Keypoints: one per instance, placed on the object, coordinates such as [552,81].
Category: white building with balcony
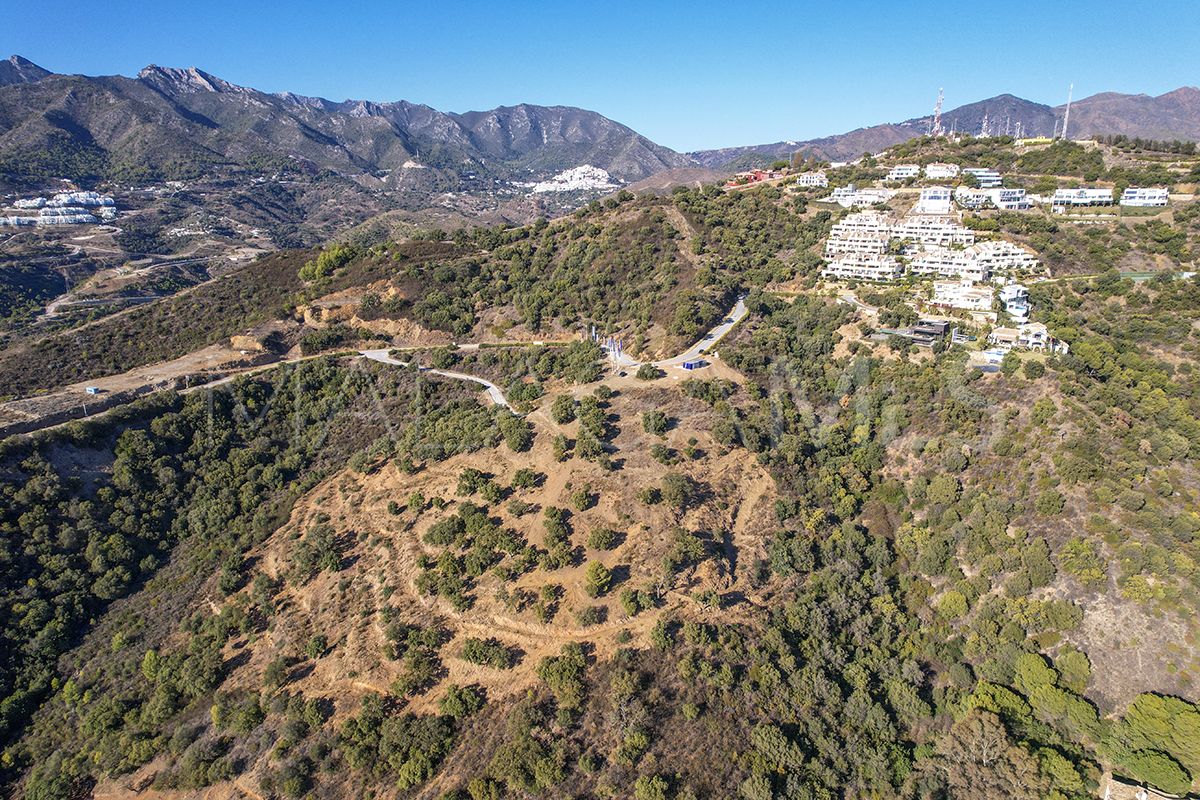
[864,268]
[963,295]
[903,172]
[1016,301]
[933,200]
[1082,197]
[812,179]
[985,177]
[1144,198]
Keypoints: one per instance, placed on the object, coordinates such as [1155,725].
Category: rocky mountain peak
[17,69]
[186,80]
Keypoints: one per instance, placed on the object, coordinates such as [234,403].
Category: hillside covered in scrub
[826,563]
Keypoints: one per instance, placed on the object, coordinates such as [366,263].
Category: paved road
[384,357]
[710,339]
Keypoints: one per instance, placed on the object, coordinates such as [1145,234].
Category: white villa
[986,178]
[1143,198]
[1082,197]
[902,172]
[1030,336]
[850,197]
[1016,301]
[941,172]
[963,295]
[812,179]
[934,200]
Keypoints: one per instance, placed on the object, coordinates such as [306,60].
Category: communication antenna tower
[937,115]
[983,128]
[1067,116]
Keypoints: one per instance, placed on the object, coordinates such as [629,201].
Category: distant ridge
[1174,115]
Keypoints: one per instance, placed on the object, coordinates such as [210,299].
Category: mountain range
[166,118]
[170,122]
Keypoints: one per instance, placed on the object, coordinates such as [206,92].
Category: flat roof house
[1144,198]
[986,178]
[1082,197]
[902,172]
[934,200]
[963,295]
[1030,336]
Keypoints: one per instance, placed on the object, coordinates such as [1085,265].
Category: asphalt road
[497,396]
[710,339]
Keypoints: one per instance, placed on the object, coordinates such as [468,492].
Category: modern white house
[1144,198]
[811,179]
[850,197]
[963,295]
[971,198]
[934,200]
[1082,197]
[1016,301]
[1030,336]
[997,197]
[940,171]
[1009,199]
[864,267]
[985,178]
[903,172]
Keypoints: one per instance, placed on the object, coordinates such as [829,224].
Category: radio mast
[1067,116]
[936,130]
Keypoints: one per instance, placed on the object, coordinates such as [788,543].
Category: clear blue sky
[688,75]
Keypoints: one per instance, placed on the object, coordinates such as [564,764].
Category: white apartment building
[811,179]
[941,172]
[902,172]
[944,262]
[986,178]
[1003,256]
[1082,197]
[963,294]
[934,200]
[864,268]
[1143,198]
[932,230]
